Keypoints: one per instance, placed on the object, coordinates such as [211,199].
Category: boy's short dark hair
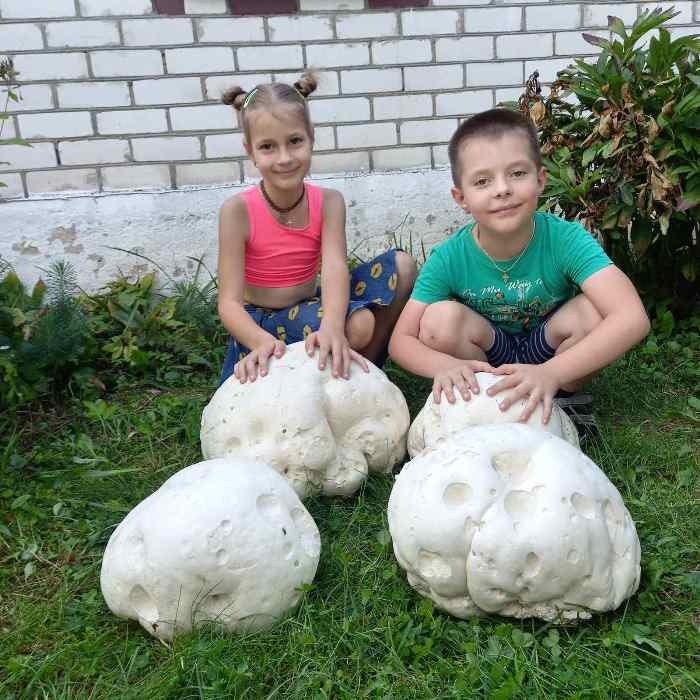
[492,124]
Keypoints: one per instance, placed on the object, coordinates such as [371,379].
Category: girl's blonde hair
[268,95]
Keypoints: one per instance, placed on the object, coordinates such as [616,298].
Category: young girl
[272,239]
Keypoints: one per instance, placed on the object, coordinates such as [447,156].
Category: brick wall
[116,97]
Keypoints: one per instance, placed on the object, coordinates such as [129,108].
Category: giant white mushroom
[435,421]
[318,431]
[223,541]
[511,520]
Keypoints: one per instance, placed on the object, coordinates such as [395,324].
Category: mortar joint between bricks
[53,87]
[88,63]
[44,37]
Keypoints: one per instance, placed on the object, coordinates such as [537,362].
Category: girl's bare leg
[386,317]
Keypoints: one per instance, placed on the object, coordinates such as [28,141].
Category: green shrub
[55,339]
[136,322]
[42,333]
[624,156]
[141,327]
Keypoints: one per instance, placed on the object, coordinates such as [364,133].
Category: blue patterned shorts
[371,284]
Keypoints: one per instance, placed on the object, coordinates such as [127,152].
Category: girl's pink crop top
[277,256]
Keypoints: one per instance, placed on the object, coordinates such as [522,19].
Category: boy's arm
[448,373]
[624,324]
[407,350]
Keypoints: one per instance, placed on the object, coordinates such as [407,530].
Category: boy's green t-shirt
[561,256]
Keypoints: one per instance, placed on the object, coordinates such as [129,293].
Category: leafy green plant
[624,156]
[138,321]
[56,339]
[196,302]
[42,333]
[17,312]
[140,326]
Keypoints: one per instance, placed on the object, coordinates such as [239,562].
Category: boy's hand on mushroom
[460,376]
[530,383]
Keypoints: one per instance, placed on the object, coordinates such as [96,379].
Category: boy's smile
[499,187]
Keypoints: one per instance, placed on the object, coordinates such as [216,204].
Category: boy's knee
[438,325]
[359,329]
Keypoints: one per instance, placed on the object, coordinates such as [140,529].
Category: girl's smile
[280,146]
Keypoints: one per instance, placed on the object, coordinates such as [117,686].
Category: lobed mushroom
[435,421]
[511,520]
[320,432]
[225,541]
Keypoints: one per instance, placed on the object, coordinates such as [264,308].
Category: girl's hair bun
[307,83]
[234,96]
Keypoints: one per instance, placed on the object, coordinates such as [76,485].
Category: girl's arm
[335,277]
[624,324]
[233,234]
[335,291]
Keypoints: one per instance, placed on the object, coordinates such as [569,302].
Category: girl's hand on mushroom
[533,384]
[257,360]
[460,376]
[334,345]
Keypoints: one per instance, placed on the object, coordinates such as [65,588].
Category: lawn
[70,471]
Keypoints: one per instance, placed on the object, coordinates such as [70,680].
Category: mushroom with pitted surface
[511,520]
[224,541]
[435,421]
[320,432]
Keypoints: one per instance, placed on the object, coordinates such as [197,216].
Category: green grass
[69,474]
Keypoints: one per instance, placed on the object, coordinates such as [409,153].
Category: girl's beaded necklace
[504,272]
[282,210]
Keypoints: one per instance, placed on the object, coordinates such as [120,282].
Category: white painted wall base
[170,227]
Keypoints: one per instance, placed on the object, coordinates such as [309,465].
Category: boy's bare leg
[456,330]
[569,325]
[385,317]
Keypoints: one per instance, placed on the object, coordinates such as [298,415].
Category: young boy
[519,290]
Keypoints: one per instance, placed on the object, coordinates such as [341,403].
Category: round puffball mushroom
[318,431]
[511,520]
[438,420]
[224,541]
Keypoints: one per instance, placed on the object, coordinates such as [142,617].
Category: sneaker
[579,407]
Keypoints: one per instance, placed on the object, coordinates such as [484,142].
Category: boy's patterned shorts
[530,348]
[371,284]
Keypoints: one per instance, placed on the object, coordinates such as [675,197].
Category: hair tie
[299,92]
[249,98]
